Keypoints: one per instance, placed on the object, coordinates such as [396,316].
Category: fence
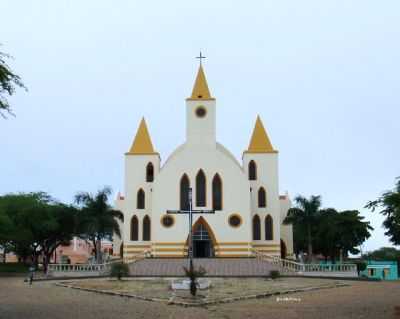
[89,269]
[289,266]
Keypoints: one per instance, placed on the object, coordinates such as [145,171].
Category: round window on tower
[167,221]
[201,111]
[235,220]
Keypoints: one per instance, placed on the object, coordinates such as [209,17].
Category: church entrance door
[202,244]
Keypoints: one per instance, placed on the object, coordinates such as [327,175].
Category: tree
[96,219]
[60,231]
[389,203]
[27,212]
[8,82]
[361,266]
[340,233]
[353,231]
[327,234]
[384,253]
[119,270]
[6,230]
[305,214]
[40,224]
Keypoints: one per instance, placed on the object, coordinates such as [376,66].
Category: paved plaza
[45,300]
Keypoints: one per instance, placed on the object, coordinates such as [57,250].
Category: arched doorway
[283,249]
[203,239]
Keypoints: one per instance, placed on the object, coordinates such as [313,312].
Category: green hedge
[14,268]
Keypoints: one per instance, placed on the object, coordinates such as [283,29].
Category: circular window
[167,221]
[201,111]
[235,220]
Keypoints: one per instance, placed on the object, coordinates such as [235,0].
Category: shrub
[274,274]
[361,266]
[193,274]
[119,270]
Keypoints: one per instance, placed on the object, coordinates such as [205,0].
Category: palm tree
[97,220]
[305,214]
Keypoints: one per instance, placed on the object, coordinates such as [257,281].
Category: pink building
[79,251]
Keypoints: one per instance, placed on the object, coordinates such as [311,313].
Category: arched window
[201,189]
[256,228]
[185,185]
[262,197]
[149,172]
[252,170]
[217,192]
[269,232]
[140,200]
[146,228]
[134,228]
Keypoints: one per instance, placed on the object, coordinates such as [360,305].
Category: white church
[248,210]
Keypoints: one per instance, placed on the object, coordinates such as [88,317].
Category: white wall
[267,177]
[236,195]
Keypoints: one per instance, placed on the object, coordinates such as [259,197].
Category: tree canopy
[9,81]
[389,205]
[35,224]
[384,253]
[330,232]
[340,232]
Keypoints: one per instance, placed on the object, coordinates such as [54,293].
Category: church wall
[135,178]
[286,230]
[267,177]
[236,197]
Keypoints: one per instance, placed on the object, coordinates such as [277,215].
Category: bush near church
[119,270]
[274,274]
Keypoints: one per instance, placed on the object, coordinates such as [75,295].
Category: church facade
[244,196]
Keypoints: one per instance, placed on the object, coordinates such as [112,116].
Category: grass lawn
[221,288]
[13,268]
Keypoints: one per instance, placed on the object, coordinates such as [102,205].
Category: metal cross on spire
[200,57]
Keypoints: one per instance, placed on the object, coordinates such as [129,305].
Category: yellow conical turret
[200,88]
[260,142]
[142,142]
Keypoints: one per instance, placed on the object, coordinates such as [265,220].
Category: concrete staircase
[220,267]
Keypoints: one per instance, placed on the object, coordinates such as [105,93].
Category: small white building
[245,196]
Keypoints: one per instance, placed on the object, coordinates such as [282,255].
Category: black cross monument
[190,212]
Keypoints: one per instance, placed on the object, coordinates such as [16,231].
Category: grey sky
[323,75]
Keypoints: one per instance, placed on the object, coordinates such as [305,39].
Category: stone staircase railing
[285,265]
[290,266]
[137,257]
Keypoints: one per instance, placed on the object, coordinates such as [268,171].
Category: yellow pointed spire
[142,142]
[260,142]
[200,88]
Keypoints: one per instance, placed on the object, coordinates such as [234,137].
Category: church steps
[214,267]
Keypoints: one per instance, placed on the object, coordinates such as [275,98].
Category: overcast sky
[323,75]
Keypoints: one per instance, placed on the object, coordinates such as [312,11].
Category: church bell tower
[200,114]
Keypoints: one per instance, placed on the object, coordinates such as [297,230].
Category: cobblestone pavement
[45,300]
[213,266]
